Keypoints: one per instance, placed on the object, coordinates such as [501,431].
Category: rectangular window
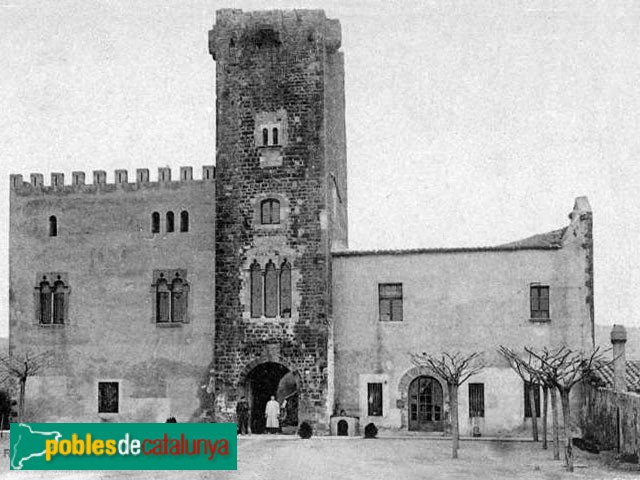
[108,397]
[390,302]
[374,399]
[476,399]
[536,399]
[540,302]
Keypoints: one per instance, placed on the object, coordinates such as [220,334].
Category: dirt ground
[284,458]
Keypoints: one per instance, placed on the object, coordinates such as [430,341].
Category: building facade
[179,297]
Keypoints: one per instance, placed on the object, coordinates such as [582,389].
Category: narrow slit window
[256,290]
[270,291]
[274,136]
[45,303]
[155,222]
[265,137]
[53,226]
[170,223]
[163,302]
[178,301]
[184,221]
[59,303]
[285,290]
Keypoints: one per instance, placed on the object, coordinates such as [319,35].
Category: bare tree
[20,368]
[528,375]
[454,369]
[564,368]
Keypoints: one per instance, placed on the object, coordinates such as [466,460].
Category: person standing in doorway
[242,415]
[271,413]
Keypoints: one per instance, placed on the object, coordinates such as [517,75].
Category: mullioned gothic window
[52,300]
[171,293]
[270,290]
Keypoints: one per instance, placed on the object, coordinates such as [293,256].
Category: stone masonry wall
[274,64]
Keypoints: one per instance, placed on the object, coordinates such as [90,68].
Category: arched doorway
[426,402]
[268,379]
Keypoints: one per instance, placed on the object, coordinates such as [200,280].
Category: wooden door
[426,404]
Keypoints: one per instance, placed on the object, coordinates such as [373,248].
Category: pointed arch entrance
[263,381]
[426,404]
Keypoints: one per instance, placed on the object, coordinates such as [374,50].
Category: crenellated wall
[108,255]
[36,184]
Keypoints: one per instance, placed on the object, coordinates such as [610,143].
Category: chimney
[618,339]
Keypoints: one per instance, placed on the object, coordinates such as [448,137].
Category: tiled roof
[632,375]
[545,241]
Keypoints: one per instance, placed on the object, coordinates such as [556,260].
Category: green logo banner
[123,446]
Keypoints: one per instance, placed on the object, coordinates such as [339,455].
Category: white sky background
[468,123]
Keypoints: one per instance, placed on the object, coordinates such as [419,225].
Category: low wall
[612,419]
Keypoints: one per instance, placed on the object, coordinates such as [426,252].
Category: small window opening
[270,212]
[53,226]
[274,138]
[155,222]
[265,137]
[170,224]
[184,221]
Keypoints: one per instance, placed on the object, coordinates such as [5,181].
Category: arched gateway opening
[268,379]
[426,403]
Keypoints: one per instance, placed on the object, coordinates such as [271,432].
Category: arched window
[45,303]
[184,221]
[171,291]
[53,226]
[163,301]
[256,290]
[270,212]
[274,137]
[270,291]
[178,300]
[170,224]
[285,290]
[58,303]
[52,301]
[155,222]
[265,137]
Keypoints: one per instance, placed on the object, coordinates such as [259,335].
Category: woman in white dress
[271,413]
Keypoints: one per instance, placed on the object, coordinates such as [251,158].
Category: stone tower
[281,207]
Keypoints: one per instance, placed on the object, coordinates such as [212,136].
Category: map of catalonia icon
[27,444]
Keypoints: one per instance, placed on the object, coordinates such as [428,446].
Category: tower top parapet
[78,184]
[235,28]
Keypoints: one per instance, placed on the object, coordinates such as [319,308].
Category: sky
[469,123]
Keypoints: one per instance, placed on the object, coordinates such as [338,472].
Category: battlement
[121,176]
[235,28]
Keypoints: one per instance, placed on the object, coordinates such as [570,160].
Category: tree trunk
[23,382]
[544,416]
[566,413]
[532,407]
[554,414]
[455,432]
